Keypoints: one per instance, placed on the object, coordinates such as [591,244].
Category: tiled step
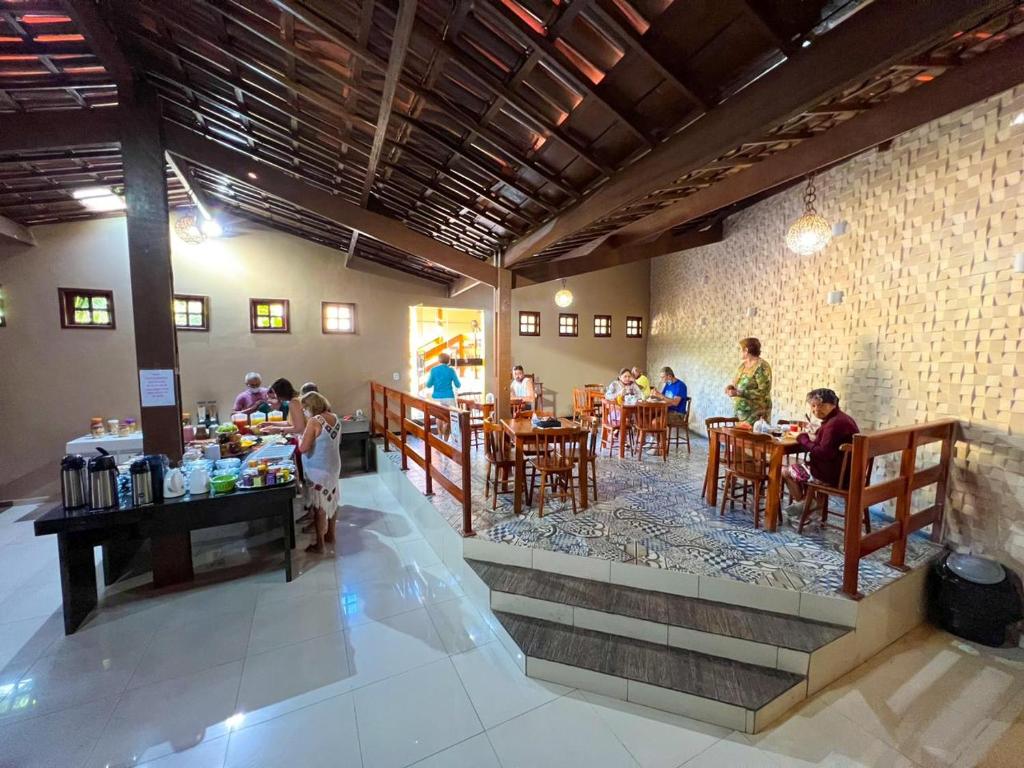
[729,693]
[735,632]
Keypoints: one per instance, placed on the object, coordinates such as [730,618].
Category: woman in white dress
[321,463]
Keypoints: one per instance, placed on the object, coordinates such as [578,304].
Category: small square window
[529,323]
[634,327]
[191,313]
[269,316]
[602,326]
[568,324]
[86,308]
[338,318]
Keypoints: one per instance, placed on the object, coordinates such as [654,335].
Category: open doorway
[460,333]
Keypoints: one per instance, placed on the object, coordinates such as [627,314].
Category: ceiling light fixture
[187,229]
[563,297]
[811,232]
[211,228]
[252,175]
[86,192]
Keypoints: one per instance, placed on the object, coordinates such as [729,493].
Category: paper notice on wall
[156,387]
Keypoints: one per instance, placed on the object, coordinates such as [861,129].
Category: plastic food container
[228,463]
[223,484]
[275,416]
[96,427]
[257,418]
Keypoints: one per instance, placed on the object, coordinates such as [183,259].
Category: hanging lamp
[811,232]
[563,297]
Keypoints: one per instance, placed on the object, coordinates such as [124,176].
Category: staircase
[734,666]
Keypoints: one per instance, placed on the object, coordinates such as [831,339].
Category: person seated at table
[282,397]
[309,386]
[641,380]
[521,388]
[254,395]
[673,392]
[623,387]
[825,459]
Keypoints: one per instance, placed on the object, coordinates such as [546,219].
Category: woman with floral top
[751,390]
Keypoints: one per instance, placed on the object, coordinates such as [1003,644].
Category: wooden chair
[715,422]
[819,492]
[613,425]
[592,425]
[582,407]
[500,458]
[554,462]
[789,458]
[652,421]
[478,414]
[747,458]
[594,387]
[679,431]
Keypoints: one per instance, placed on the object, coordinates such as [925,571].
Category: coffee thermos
[103,482]
[74,485]
[158,466]
[142,483]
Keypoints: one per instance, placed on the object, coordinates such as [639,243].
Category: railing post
[908,463]
[467,491]
[940,487]
[403,432]
[851,533]
[428,465]
[387,419]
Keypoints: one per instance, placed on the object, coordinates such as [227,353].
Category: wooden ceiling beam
[86,16]
[208,152]
[462,285]
[396,60]
[610,254]
[980,78]
[183,171]
[13,231]
[31,131]
[860,46]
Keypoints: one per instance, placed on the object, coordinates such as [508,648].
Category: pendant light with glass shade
[563,297]
[811,232]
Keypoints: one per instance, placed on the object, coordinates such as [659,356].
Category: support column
[502,371]
[149,259]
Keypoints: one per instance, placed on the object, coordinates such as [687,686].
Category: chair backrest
[844,470]
[580,401]
[563,442]
[787,422]
[611,413]
[651,417]
[595,387]
[592,424]
[686,414]
[746,453]
[497,446]
[718,421]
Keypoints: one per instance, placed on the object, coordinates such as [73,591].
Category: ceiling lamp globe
[563,297]
[811,232]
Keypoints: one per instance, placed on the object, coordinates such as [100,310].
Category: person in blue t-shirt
[443,381]
[673,391]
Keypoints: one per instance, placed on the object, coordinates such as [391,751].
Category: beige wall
[52,380]
[932,321]
[563,363]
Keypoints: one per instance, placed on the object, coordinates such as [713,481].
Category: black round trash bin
[974,598]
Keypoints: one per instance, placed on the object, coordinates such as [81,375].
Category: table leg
[623,435]
[288,533]
[520,478]
[172,558]
[711,479]
[583,471]
[771,505]
[117,554]
[77,580]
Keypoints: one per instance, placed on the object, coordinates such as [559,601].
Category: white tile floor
[376,658]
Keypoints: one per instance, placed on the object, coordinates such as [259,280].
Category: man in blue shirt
[443,381]
[673,391]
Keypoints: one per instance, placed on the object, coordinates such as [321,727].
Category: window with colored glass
[529,323]
[269,315]
[634,327]
[602,326]
[568,324]
[191,313]
[86,308]
[337,317]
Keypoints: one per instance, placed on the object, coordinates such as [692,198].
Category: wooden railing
[905,441]
[390,418]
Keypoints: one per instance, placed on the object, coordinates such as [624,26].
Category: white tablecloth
[121,447]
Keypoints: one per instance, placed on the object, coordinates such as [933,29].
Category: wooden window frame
[524,314]
[598,335]
[639,327]
[253,328]
[205,315]
[66,298]
[323,318]
[574,320]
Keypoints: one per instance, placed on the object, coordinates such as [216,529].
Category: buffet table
[121,531]
[121,448]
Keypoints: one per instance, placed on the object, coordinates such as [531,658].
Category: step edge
[668,625]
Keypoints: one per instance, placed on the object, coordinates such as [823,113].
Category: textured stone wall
[932,323]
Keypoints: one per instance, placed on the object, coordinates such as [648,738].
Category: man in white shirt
[521,388]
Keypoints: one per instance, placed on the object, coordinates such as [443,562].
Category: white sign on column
[156,387]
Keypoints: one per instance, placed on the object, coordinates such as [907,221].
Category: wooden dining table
[523,431]
[780,447]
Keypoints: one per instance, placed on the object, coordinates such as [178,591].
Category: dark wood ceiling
[505,113]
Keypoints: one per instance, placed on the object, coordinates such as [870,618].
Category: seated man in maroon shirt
[825,459]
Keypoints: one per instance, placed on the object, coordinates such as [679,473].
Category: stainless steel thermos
[74,485]
[102,482]
[142,483]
